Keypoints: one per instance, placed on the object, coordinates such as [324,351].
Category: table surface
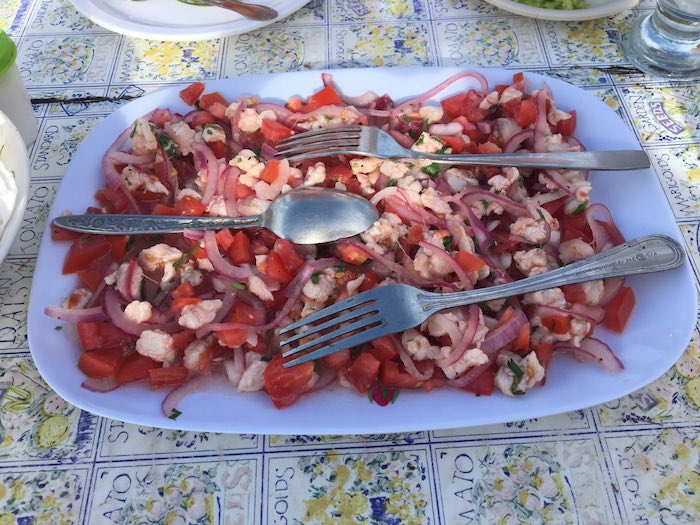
[633,460]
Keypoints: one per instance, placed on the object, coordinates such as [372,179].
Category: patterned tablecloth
[633,460]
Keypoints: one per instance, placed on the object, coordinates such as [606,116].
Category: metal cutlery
[303,216]
[369,141]
[397,307]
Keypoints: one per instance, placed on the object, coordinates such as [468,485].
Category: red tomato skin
[393,377]
[191,93]
[363,372]
[83,251]
[274,131]
[100,364]
[170,376]
[484,384]
[240,251]
[134,368]
[98,335]
[384,348]
[619,310]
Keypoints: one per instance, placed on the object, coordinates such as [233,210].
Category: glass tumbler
[666,43]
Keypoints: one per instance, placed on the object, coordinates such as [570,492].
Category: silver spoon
[303,216]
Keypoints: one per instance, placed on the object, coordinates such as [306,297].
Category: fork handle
[653,253]
[580,160]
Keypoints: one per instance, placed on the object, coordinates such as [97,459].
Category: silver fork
[369,141]
[397,307]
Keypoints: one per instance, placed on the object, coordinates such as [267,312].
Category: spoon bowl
[303,216]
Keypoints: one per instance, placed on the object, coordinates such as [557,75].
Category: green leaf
[447,243]
[368,262]
[425,125]
[392,182]
[58,328]
[340,268]
[518,373]
[174,414]
[183,258]
[580,208]
[433,169]
[539,212]
[238,286]
[315,277]
[167,143]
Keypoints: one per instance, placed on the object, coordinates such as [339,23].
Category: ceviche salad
[173,310]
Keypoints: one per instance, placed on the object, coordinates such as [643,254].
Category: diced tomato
[566,127]
[224,238]
[339,173]
[483,385]
[489,148]
[326,97]
[239,251]
[276,270]
[527,113]
[182,339]
[456,143]
[522,342]
[200,118]
[576,227]
[337,360]
[574,293]
[559,324]
[209,99]
[433,383]
[191,93]
[118,243]
[91,276]
[506,316]
[220,149]
[468,261]
[612,231]
[232,338]
[274,131]
[169,376]
[363,372]
[184,290]
[351,254]
[285,385]
[454,105]
[83,251]
[271,171]
[290,257]
[619,310]
[190,206]
[415,234]
[393,377]
[100,363]
[146,196]
[518,77]
[179,304]
[218,110]
[261,347]
[246,314]
[59,234]
[384,348]
[135,367]
[370,281]
[97,335]
[113,201]
[242,191]
[162,209]
[544,351]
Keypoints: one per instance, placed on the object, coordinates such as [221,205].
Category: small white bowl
[15,159]
[596,9]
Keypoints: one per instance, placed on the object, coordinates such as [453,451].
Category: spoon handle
[251,11]
[105,224]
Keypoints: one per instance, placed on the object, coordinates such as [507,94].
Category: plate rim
[524,411]
[22,180]
[565,15]
[135,29]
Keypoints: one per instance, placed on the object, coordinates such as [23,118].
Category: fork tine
[312,146]
[322,139]
[352,314]
[357,325]
[317,132]
[353,340]
[350,302]
[306,138]
[322,153]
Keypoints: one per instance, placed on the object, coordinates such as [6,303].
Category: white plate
[595,9]
[173,20]
[13,155]
[657,334]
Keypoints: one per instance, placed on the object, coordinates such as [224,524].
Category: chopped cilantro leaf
[58,328]
[368,262]
[392,182]
[447,243]
[183,258]
[167,144]
[425,125]
[432,169]
[580,208]
[340,268]
[315,277]
[539,212]
[174,414]
[420,140]
[518,375]
[238,286]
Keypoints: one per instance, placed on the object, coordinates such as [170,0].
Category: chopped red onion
[75,315]
[449,260]
[220,264]
[100,385]
[598,350]
[410,366]
[196,384]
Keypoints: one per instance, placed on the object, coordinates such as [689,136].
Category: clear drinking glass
[667,42]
